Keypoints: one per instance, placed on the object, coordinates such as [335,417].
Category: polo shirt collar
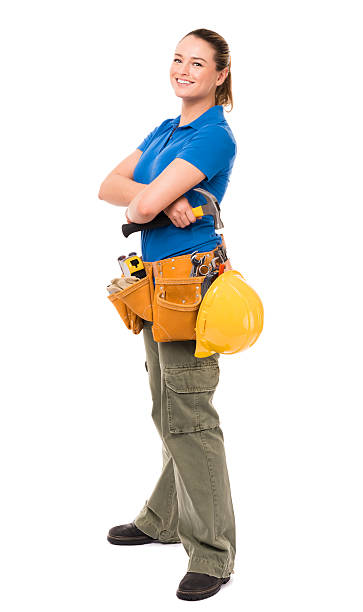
[212,115]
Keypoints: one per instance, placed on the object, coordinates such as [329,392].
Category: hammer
[161,220]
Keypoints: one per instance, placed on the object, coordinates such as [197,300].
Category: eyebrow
[200,58]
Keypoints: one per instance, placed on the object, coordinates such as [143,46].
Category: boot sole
[130,541]
[202,594]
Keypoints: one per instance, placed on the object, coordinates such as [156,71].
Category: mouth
[183,82]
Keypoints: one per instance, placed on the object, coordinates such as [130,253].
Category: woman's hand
[180,212]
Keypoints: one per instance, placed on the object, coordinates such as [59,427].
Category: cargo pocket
[138,297]
[175,306]
[189,393]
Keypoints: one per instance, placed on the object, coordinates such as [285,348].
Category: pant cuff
[150,530]
[206,566]
[147,528]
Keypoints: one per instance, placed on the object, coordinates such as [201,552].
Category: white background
[83,83]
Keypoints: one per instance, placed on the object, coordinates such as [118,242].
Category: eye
[179,60]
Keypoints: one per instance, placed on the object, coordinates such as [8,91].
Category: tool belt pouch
[175,308]
[131,320]
[135,303]
[172,305]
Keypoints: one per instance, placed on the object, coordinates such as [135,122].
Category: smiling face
[193,62]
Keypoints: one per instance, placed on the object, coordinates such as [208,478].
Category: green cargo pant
[191,501]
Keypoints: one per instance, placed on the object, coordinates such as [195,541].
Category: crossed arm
[146,201]
[177,178]
[165,192]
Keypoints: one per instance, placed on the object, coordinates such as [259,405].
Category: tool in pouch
[210,271]
[132,269]
[161,220]
[124,292]
[132,265]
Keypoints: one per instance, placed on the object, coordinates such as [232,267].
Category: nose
[183,69]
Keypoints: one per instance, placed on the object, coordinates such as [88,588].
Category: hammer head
[212,207]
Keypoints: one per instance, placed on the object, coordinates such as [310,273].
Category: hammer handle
[162,219]
[159,221]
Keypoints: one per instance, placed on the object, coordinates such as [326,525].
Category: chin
[183,94]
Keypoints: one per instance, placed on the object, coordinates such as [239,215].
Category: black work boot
[195,585]
[129,535]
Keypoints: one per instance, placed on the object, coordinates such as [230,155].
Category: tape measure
[132,265]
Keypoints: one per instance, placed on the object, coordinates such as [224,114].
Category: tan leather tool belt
[172,305]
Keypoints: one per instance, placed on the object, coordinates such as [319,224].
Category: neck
[192,110]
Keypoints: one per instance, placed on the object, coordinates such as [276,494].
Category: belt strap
[179,265]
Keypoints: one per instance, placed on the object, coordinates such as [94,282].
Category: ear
[222,76]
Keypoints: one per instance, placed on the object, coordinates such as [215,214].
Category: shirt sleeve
[211,149]
[145,143]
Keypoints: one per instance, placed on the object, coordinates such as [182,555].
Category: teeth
[180,81]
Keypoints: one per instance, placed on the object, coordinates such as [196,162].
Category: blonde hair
[222,58]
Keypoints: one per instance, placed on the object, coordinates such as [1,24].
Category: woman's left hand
[180,212]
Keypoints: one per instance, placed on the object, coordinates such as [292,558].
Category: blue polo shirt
[207,143]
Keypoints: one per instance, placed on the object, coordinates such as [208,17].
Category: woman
[191,502]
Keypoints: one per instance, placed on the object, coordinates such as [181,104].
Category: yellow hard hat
[230,316]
